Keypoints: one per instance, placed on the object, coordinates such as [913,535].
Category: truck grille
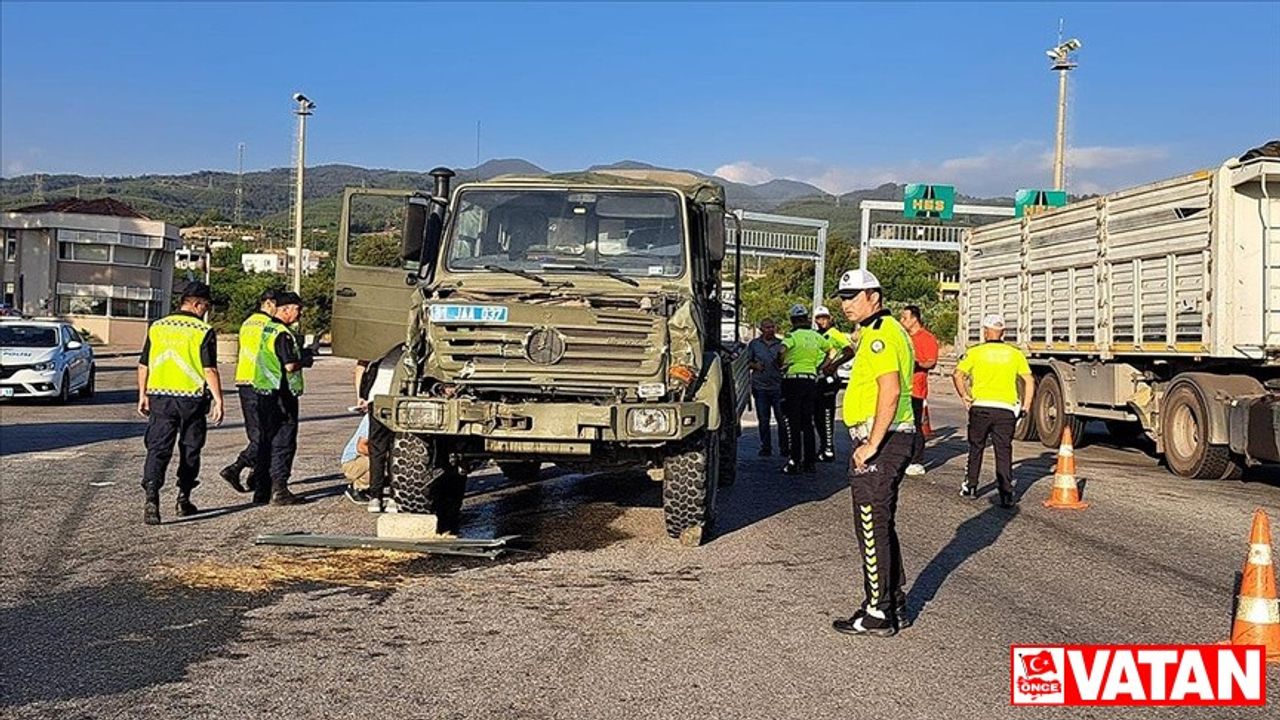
[591,358]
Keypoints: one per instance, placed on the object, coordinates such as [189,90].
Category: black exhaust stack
[442,176]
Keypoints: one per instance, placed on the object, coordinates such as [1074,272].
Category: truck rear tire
[690,478]
[520,471]
[1025,428]
[1184,429]
[1049,406]
[423,482]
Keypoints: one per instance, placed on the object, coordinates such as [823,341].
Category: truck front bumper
[544,428]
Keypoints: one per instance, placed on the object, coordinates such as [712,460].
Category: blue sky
[841,95]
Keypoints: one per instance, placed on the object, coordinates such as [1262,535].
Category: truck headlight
[651,391]
[651,421]
[43,367]
[420,414]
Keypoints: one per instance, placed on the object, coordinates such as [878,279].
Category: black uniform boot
[231,474]
[284,497]
[151,511]
[184,506]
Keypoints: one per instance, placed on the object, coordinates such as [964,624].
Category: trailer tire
[690,477]
[1049,408]
[522,472]
[423,482]
[1184,429]
[729,430]
[1025,428]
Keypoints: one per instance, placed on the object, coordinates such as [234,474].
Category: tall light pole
[305,107]
[1062,64]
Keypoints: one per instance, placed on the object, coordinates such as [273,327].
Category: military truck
[1155,309]
[572,319]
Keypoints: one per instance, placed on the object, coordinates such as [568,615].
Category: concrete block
[408,526]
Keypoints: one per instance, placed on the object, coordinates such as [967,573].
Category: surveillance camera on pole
[1062,64]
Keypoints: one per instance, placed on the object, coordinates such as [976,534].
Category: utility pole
[1062,64]
[239,212]
[305,108]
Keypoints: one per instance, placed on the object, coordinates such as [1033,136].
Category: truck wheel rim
[1186,432]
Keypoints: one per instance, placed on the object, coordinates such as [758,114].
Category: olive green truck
[570,319]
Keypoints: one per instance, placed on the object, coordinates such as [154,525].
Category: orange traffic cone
[1257,611]
[1065,493]
[925,426]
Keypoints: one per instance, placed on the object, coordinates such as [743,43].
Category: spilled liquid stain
[371,569]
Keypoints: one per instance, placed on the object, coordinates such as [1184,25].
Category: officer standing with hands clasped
[828,383]
[178,385]
[877,410]
[986,379]
[278,381]
[246,365]
[803,352]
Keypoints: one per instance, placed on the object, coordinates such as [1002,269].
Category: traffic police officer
[803,352]
[986,379]
[828,383]
[246,364]
[278,381]
[178,385]
[877,410]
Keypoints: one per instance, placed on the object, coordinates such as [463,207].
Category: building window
[122,308]
[84,253]
[81,305]
[10,294]
[10,245]
[130,255]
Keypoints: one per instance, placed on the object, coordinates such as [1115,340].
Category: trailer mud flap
[1254,428]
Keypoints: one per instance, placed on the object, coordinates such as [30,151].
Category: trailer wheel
[1050,410]
[1184,428]
[690,477]
[1025,428]
[423,482]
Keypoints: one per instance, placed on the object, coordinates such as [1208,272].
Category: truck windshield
[543,231]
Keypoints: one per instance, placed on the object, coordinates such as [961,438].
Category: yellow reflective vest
[250,346]
[268,370]
[173,362]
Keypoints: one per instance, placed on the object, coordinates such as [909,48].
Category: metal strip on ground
[466,547]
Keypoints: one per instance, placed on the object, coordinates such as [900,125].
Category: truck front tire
[690,476]
[423,482]
[1184,431]
[1049,408]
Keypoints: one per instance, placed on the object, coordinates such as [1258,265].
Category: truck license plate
[469,313]
[6,392]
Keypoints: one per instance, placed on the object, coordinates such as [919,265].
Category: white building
[98,263]
[280,262]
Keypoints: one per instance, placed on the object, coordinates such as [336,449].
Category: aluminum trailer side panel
[1188,266]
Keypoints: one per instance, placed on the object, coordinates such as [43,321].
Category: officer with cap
[246,364]
[828,383]
[178,386]
[986,379]
[877,410]
[278,382]
[803,352]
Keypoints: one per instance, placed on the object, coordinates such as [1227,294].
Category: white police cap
[853,282]
[820,311]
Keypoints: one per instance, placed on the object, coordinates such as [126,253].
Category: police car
[42,358]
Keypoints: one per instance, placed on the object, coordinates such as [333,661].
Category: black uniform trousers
[996,424]
[825,414]
[917,451]
[277,442]
[174,419]
[249,409]
[875,507]
[799,396]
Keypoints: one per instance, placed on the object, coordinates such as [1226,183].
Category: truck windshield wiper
[607,272]
[520,273]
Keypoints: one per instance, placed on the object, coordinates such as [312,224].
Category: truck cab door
[372,288]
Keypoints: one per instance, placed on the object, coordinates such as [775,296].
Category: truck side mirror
[413,232]
[432,236]
[713,231]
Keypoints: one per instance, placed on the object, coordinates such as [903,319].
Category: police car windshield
[30,336]
[540,231]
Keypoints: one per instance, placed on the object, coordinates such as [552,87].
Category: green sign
[1033,202]
[928,201]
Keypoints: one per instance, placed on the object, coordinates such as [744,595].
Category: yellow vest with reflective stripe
[173,364]
[250,345]
[269,369]
[883,347]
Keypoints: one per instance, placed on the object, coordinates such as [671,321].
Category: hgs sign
[1137,675]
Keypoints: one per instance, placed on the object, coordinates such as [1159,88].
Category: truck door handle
[345,292]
